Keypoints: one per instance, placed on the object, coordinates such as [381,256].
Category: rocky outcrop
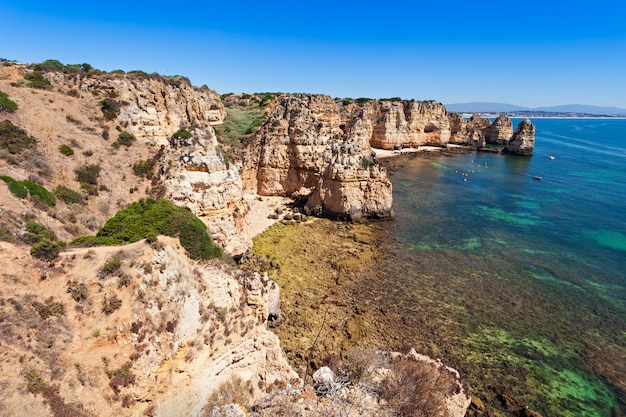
[390,383]
[523,140]
[197,177]
[500,131]
[316,148]
[468,132]
[150,106]
[409,124]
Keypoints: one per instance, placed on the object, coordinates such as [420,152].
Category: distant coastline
[544,115]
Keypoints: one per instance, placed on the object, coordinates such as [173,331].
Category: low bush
[16,187]
[50,308]
[46,249]
[36,232]
[13,139]
[36,79]
[77,290]
[111,265]
[66,150]
[144,168]
[110,108]
[24,188]
[110,304]
[182,134]
[88,174]
[67,195]
[40,192]
[6,104]
[124,138]
[152,218]
[122,377]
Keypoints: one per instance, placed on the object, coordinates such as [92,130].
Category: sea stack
[523,140]
[499,131]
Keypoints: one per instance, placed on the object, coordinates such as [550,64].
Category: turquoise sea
[519,282]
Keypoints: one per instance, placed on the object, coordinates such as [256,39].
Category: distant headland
[487,109]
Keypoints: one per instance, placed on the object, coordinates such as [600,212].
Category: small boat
[537,177]
[551,157]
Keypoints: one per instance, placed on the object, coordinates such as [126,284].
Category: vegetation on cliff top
[146,219]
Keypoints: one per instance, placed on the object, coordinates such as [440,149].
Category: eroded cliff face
[313,147]
[161,344]
[500,131]
[409,124]
[150,107]
[523,140]
[193,170]
[197,177]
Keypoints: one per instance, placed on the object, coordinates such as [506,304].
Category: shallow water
[519,282]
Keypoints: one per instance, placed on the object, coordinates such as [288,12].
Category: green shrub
[144,168]
[46,249]
[36,190]
[124,138]
[182,134]
[23,188]
[36,232]
[151,218]
[88,174]
[66,150]
[265,99]
[49,65]
[105,132]
[37,80]
[6,104]
[67,195]
[110,108]
[16,187]
[14,139]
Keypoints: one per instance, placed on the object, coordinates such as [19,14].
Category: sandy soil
[260,209]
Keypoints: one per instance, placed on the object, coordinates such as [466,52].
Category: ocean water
[519,282]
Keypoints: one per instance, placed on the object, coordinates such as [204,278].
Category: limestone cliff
[77,342]
[523,140]
[500,131]
[314,147]
[150,106]
[197,177]
[468,132]
[409,124]
[193,170]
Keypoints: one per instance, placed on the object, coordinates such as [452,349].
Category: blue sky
[530,53]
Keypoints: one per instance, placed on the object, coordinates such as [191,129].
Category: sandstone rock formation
[468,132]
[405,124]
[197,177]
[523,140]
[193,170]
[313,147]
[500,131]
[151,107]
[176,333]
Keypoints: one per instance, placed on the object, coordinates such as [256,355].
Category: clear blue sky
[530,53]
